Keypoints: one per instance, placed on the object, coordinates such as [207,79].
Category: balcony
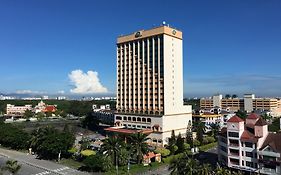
[268,171]
[269,153]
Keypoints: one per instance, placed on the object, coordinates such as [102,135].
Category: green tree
[215,128]
[112,147]
[222,171]
[40,115]
[200,129]
[205,169]
[48,142]
[189,136]
[97,163]
[172,143]
[163,151]
[139,145]
[275,125]
[241,114]
[184,166]
[180,144]
[28,114]
[13,137]
[234,96]
[90,122]
[266,117]
[12,166]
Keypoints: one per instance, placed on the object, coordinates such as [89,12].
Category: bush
[163,151]
[186,146]
[88,152]
[196,143]
[210,139]
[208,146]
[72,150]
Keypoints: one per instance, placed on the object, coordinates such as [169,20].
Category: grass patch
[71,163]
[134,169]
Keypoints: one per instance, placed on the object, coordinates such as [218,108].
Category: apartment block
[249,146]
[248,103]
[150,83]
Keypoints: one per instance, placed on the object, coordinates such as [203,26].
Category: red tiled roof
[247,136]
[273,140]
[253,116]
[235,119]
[50,108]
[260,122]
[149,155]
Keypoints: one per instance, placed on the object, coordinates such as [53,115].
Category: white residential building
[247,145]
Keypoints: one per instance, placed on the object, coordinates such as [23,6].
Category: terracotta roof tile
[260,122]
[247,136]
[235,119]
[273,140]
[253,116]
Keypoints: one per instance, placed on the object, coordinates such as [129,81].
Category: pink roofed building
[247,145]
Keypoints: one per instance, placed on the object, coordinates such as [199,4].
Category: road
[33,166]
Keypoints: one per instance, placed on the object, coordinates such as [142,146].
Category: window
[249,154]
[118,118]
[249,164]
[233,134]
[248,144]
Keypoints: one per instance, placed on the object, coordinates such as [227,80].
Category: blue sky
[230,46]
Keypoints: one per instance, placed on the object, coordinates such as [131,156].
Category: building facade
[150,83]
[248,146]
[17,110]
[248,103]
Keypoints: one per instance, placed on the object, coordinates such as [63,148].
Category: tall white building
[150,83]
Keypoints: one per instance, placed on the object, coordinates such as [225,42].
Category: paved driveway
[36,166]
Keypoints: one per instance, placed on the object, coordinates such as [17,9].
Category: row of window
[134,119]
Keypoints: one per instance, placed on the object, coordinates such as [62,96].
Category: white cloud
[86,83]
[25,91]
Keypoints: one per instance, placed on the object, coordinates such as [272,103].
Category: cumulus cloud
[86,83]
[25,91]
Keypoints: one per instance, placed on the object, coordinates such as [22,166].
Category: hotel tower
[150,83]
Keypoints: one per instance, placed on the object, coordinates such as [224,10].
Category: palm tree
[139,145]
[111,147]
[184,166]
[222,171]
[12,166]
[205,169]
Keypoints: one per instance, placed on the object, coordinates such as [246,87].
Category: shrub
[88,152]
[208,146]
[163,151]
[196,143]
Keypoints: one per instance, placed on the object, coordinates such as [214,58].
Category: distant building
[4,97]
[104,113]
[247,145]
[213,116]
[12,110]
[249,103]
[42,107]
[61,98]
